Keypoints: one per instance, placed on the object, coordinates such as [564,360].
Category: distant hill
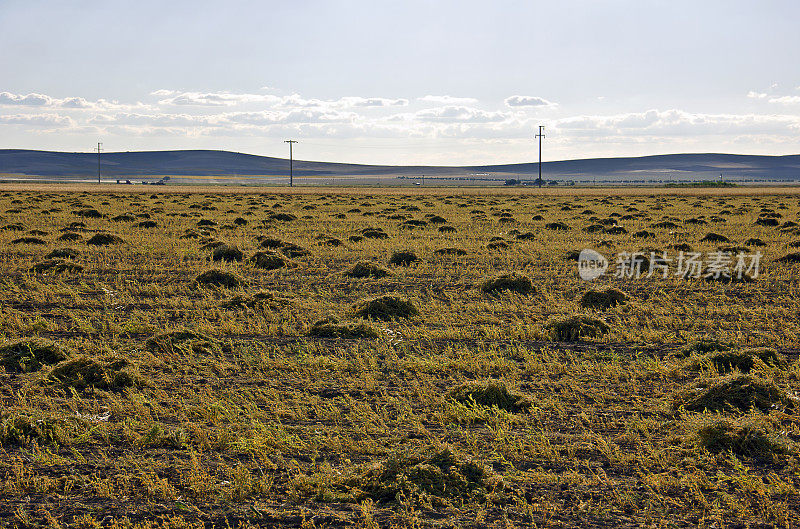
[183,165]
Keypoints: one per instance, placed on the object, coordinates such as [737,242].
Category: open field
[214,357]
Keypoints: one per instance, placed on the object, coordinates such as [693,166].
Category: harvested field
[225,363]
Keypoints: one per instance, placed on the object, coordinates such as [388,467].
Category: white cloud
[756,95]
[36,120]
[528,101]
[786,100]
[211,98]
[448,100]
[460,114]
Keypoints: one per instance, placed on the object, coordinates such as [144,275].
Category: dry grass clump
[181,340]
[366,269]
[270,243]
[22,430]
[31,354]
[293,251]
[220,278]
[743,360]
[603,299]
[714,237]
[63,253]
[333,328]
[283,217]
[455,252]
[57,266]
[735,392]
[576,327]
[428,471]
[386,308]
[746,437]
[374,233]
[261,299]
[83,372]
[403,258]
[29,240]
[105,239]
[267,260]
[793,257]
[557,226]
[227,253]
[69,236]
[490,394]
[512,282]
[89,213]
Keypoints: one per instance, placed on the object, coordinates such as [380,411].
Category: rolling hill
[232,167]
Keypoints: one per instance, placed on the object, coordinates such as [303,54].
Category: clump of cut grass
[333,328]
[735,392]
[89,213]
[455,252]
[793,257]
[366,269]
[283,217]
[270,243]
[21,430]
[726,361]
[512,282]
[63,253]
[147,224]
[57,266]
[433,471]
[403,258]
[227,253]
[576,327]
[123,218]
[560,226]
[105,239]
[29,240]
[705,346]
[745,437]
[446,229]
[374,233]
[220,278]
[386,308]
[83,372]
[293,251]
[69,236]
[714,237]
[181,340]
[497,245]
[603,299]
[263,298]
[31,354]
[267,260]
[492,393]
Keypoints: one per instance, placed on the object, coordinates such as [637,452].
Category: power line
[291,175]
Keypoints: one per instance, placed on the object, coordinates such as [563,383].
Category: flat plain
[214,357]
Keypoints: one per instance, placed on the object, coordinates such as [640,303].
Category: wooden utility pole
[99,148]
[540,136]
[291,174]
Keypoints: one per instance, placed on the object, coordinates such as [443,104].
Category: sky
[434,82]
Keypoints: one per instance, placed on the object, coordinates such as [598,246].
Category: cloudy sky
[402,82]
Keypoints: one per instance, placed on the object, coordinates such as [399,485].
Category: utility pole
[540,136]
[99,148]
[291,175]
